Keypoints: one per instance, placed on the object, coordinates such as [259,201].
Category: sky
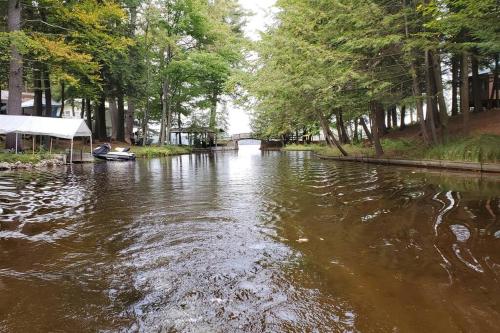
[239,121]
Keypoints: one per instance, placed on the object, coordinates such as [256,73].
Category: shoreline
[434,164]
[19,165]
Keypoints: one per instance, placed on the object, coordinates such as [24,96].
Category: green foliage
[326,56]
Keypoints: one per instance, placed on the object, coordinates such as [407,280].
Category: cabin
[4,96]
[489,97]
[29,108]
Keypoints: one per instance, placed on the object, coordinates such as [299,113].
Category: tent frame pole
[16,142]
[90,144]
[33,145]
[50,149]
[71,153]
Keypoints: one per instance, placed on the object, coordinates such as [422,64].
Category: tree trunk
[494,92]
[377,115]
[179,123]
[62,101]
[388,117]
[403,116]
[82,109]
[144,124]
[455,63]
[129,116]
[419,104]
[330,138]
[113,115]
[382,128]
[365,128]
[89,114]
[48,92]
[356,134]
[15,71]
[417,94]
[120,117]
[213,115]
[129,121]
[165,114]
[464,92]
[476,85]
[345,137]
[38,94]
[339,130]
[100,119]
[430,99]
[438,81]
[164,108]
[213,110]
[394,116]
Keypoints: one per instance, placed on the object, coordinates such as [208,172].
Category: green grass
[350,149]
[306,147]
[482,148]
[156,151]
[23,158]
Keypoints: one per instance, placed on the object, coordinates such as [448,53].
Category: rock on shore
[20,165]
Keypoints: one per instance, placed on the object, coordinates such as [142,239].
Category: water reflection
[248,241]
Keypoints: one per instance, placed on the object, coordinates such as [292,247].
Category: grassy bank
[296,147]
[23,158]
[155,151]
[481,148]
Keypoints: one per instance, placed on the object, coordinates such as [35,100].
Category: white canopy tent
[54,127]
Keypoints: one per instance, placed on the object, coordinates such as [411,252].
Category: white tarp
[56,127]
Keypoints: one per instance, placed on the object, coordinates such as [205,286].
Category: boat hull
[115,157]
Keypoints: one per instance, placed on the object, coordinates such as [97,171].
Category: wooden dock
[79,157]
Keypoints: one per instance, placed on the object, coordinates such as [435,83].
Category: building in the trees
[489,97]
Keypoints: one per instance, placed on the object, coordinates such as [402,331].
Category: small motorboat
[104,152]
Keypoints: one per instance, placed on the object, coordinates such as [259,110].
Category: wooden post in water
[71,153]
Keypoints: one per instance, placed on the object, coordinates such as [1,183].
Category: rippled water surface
[248,241]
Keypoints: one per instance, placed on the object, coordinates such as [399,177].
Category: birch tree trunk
[120,117]
[15,71]
[129,115]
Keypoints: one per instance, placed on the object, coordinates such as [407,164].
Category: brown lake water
[248,242]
